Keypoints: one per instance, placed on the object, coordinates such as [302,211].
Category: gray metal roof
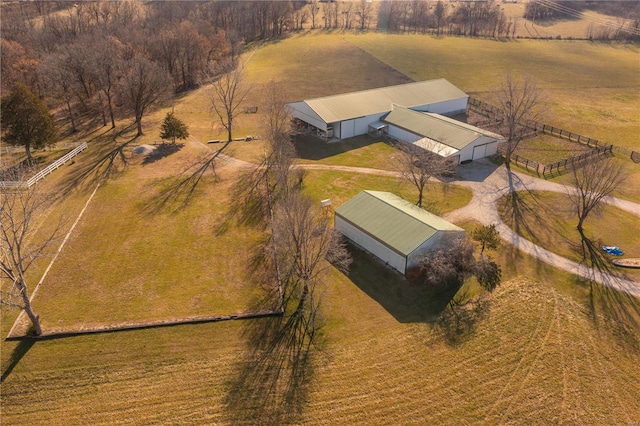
[377,101]
[436,127]
[397,223]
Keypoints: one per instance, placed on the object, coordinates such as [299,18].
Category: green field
[544,348]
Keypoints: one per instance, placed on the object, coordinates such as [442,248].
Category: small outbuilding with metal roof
[351,114]
[442,135]
[396,231]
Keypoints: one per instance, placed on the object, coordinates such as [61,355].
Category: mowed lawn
[140,253]
[532,354]
[589,88]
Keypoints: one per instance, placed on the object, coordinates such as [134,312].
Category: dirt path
[488,183]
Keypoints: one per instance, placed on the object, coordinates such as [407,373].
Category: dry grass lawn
[532,353]
[545,348]
[547,219]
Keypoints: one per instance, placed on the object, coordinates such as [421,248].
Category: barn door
[479,151]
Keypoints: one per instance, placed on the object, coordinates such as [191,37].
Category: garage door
[479,151]
[485,150]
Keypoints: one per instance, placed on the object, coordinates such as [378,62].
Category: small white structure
[441,135]
[351,114]
[394,230]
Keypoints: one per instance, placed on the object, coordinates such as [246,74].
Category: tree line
[472,19]
[103,60]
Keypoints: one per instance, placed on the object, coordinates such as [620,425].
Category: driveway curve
[488,184]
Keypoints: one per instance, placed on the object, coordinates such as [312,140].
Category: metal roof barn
[350,114]
[394,230]
[442,135]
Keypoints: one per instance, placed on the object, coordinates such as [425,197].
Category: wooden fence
[526,163]
[576,161]
[44,172]
[490,110]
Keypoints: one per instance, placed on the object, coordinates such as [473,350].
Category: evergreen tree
[26,120]
[173,128]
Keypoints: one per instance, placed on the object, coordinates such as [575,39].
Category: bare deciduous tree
[305,244]
[591,183]
[106,64]
[518,100]
[226,94]
[450,266]
[364,10]
[447,267]
[19,209]
[143,84]
[418,165]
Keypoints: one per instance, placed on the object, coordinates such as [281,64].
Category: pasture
[548,220]
[544,348]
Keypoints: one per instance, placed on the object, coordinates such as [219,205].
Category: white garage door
[484,150]
[479,151]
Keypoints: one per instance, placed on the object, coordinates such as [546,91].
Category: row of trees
[102,60]
[473,19]
[302,243]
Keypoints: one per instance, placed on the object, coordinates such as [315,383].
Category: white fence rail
[46,171]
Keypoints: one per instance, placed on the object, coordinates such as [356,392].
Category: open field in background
[546,219]
[566,28]
[585,84]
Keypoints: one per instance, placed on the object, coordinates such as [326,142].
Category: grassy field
[546,149]
[555,361]
[545,348]
[590,88]
[546,219]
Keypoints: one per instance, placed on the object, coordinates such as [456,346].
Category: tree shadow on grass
[273,381]
[309,147]
[274,377]
[460,321]
[519,208]
[18,353]
[179,191]
[106,163]
[163,150]
[247,206]
[405,301]
[610,308]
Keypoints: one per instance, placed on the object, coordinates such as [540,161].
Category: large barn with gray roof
[394,230]
[413,113]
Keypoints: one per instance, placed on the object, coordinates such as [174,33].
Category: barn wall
[454,106]
[486,146]
[357,126]
[384,253]
[434,243]
[304,112]
[402,135]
